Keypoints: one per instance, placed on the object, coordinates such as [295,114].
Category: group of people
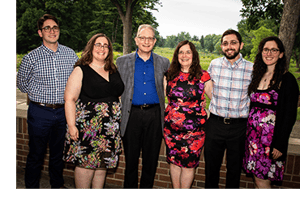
[88,108]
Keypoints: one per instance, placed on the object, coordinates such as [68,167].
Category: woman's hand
[73,132]
[276,153]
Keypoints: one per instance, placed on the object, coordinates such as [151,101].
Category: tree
[125,9]
[281,12]
[259,34]
[289,25]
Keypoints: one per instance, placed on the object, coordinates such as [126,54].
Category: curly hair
[260,68]
[87,54]
[175,67]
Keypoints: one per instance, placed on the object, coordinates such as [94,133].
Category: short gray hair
[143,26]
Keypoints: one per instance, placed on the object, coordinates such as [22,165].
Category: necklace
[97,65]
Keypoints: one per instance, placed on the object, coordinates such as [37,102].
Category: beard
[233,55]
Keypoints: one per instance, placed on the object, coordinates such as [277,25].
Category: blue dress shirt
[144,82]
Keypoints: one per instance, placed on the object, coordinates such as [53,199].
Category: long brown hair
[87,54]
[260,68]
[175,67]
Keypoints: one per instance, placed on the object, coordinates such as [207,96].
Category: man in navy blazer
[143,106]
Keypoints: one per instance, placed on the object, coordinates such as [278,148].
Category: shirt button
[144,73]
[144,83]
[144,93]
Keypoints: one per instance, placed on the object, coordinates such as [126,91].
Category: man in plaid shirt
[43,74]
[229,108]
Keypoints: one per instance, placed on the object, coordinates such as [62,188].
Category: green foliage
[79,20]
[259,34]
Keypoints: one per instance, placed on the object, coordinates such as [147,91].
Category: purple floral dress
[260,129]
[185,117]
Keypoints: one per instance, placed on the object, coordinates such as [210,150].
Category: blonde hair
[144,26]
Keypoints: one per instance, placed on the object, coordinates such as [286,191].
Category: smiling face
[185,57]
[100,50]
[231,47]
[145,41]
[50,37]
[271,53]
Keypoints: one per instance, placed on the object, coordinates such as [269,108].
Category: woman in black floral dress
[185,116]
[93,114]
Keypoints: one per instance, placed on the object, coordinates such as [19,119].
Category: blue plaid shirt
[230,87]
[43,73]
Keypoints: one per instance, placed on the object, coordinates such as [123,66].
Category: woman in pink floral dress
[274,94]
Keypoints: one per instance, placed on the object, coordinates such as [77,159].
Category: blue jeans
[45,125]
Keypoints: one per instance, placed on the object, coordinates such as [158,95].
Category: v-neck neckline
[101,75]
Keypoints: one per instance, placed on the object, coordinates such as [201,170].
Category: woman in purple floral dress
[274,96]
[185,85]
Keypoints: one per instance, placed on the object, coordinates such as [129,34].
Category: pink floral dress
[260,129]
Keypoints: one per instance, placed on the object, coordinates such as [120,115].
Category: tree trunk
[127,32]
[288,26]
[126,18]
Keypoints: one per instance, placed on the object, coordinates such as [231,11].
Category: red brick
[245,178]
[119,176]
[200,170]
[19,158]
[243,184]
[287,177]
[161,184]
[296,179]
[162,171]
[19,136]
[289,164]
[19,124]
[291,185]
[121,158]
[21,153]
[115,182]
[21,141]
[297,166]
[19,146]
[164,165]
[24,125]
[164,178]
[26,136]
[200,184]
[250,185]
[120,170]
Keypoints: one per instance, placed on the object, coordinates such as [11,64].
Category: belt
[228,121]
[54,106]
[145,107]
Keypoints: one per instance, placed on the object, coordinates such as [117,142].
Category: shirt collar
[51,51]
[137,55]
[236,62]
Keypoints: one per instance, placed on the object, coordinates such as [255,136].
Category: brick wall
[162,178]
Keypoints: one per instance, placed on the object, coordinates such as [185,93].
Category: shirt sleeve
[205,76]
[23,76]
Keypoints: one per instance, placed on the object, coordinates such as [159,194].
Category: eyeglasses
[233,43]
[48,29]
[98,46]
[272,51]
[143,38]
[186,53]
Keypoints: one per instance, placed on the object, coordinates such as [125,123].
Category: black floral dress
[260,130]
[98,115]
[185,117]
